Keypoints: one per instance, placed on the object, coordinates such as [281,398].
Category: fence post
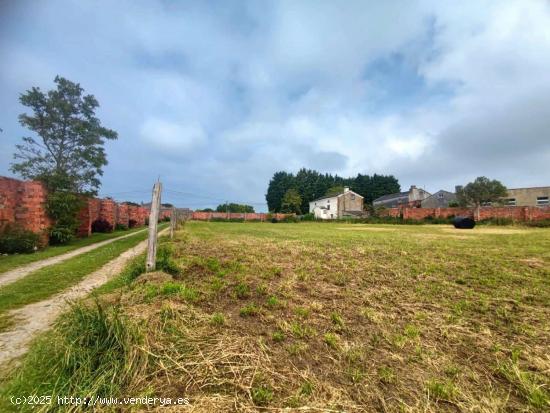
[153,223]
[172,222]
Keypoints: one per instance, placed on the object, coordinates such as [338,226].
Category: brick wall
[23,203]
[518,213]
[252,216]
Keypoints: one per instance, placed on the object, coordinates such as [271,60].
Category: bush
[132,223]
[496,221]
[101,225]
[544,223]
[121,227]
[63,208]
[60,235]
[308,217]
[14,240]
[290,218]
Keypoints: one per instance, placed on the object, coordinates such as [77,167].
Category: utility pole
[173,222]
[153,224]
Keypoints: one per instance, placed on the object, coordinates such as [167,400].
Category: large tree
[480,191]
[279,184]
[68,154]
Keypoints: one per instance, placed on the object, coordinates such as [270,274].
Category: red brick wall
[206,216]
[23,203]
[519,213]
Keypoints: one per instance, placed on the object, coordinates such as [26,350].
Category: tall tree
[481,190]
[291,202]
[278,185]
[69,152]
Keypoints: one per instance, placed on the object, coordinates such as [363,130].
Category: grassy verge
[9,262]
[50,280]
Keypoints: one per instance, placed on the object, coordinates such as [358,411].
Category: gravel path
[38,317]
[20,272]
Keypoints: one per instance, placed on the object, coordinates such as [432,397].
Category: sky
[213,97]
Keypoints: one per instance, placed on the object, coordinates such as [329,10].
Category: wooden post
[153,224]
[172,222]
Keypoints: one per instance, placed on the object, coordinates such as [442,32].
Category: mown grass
[343,317]
[9,262]
[50,280]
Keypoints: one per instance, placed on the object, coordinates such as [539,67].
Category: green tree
[480,191]
[69,153]
[232,207]
[278,185]
[291,202]
[335,190]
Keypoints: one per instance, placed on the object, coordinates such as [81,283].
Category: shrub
[165,261]
[290,218]
[496,221]
[102,225]
[60,235]
[18,240]
[132,223]
[121,227]
[63,208]
[308,217]
[544,223]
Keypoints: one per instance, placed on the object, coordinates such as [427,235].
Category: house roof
[392,196]
[336,195]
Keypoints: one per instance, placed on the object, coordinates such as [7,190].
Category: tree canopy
[232,207]
[311,185]
[291,202]
[480,191]
[69,152]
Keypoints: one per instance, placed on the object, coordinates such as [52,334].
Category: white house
[346,203]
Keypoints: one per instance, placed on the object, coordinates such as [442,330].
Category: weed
[278,336]
[302,312]
[411,331]
[529,384]
[217,319]
[261,289]
[300,330]
[272,302]
[337,319]
[261,395]
[386,375]
[440,390]
[306,389]
[242,291]
[331,340]
[249,310]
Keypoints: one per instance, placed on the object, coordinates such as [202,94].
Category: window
[328,206]
[353,197]
[510,202]
[440,195]
[542,201]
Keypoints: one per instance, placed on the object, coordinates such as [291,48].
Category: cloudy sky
[214,97]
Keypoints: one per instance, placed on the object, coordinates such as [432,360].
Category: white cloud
[169,136]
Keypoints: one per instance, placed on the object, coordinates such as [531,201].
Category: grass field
[325,316]
[9,262]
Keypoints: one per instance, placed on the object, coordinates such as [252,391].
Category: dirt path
[38,317]
[20,272]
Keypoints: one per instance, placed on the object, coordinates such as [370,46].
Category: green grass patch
[50,280]
[9,262]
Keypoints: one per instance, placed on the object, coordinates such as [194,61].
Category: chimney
[346,189]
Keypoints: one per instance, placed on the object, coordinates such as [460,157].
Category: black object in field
[464,223]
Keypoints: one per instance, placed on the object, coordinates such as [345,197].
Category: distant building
[346,203]
[441,199]
[538,196]
[413,198]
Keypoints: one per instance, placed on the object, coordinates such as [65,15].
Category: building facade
[538,196]
[345,204]
[412,198]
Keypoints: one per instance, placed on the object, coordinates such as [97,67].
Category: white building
[346,203]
